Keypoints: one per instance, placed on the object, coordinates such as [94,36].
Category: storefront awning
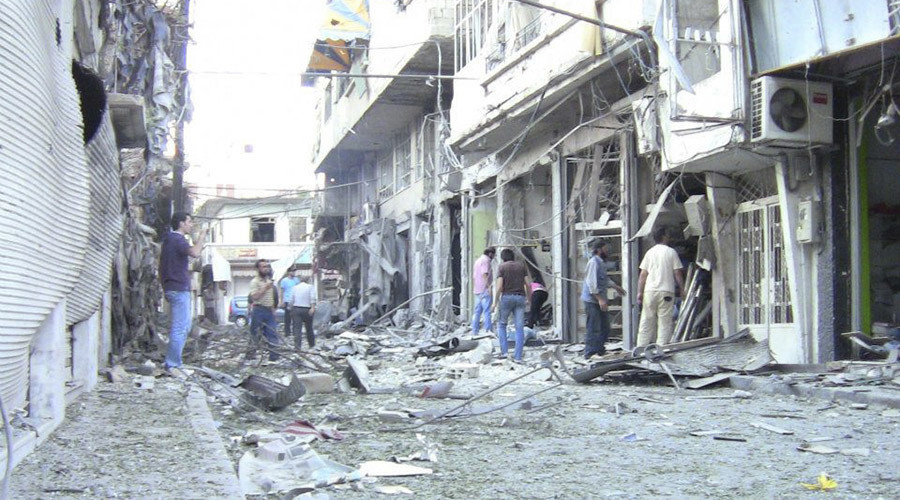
[346,22]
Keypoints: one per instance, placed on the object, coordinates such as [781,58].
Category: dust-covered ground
[602,440]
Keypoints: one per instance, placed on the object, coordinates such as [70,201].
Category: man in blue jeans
[481,288]
[513,294]
[596,305]
[265,297]
[176,282]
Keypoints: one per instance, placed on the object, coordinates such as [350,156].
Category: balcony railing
[504,48]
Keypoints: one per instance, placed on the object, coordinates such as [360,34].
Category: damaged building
[83,174]
[565,122]
[388,229]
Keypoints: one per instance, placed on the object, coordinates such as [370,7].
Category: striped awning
[346,22]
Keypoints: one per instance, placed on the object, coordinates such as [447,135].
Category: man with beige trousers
[660,269]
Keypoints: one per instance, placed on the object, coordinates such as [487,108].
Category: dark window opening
[262,229]
[93,99]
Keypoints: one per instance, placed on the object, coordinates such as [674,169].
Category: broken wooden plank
[730,438]
[772,428]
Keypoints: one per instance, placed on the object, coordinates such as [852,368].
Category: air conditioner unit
[790,113]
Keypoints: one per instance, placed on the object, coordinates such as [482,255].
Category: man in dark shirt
[176,282]
[513,293]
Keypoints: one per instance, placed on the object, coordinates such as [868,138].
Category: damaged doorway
[456,255]
[594,212]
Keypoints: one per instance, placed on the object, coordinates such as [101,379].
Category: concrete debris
[380,468]
[285,464]
[817,449]
[357,374]
[393,417]
[116,374]
[317,383]
[438,390]
[393,490]
[772,428]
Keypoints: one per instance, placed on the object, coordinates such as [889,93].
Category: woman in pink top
[538,297]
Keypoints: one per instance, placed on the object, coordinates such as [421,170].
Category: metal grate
[780,299]
[764,295]
[751,270]
[756,105]
[894,16]
[756,185]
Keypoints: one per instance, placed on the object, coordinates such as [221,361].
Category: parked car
[239,315]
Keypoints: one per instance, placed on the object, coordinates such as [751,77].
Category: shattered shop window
[697,37]
[262,229]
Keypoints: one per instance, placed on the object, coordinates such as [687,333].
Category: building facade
[768,154]
[68,198]
[388,227]
[244,231]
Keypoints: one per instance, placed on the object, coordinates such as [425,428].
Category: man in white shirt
[303,306]
[660,269]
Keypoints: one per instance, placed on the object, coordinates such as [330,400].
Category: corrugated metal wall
[44,181]
[105,225]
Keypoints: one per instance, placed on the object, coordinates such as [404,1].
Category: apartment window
[696,29]
[473,20]
[385,166]
[527,23]
[402,161]
[298,228]
[262,229]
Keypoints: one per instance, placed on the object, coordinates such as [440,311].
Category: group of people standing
[514,290]
[295,295]
[660,269]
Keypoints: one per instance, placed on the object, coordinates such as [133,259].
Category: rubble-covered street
[628,435]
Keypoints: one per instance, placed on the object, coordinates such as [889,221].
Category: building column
[630,214]
[510,214]
[559,248]
[720,189]
[47,381]
[105,345]
[85,347]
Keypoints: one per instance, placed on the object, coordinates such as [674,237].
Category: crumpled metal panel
[105,228]
[44,193]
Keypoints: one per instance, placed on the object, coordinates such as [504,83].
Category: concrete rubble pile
[382,382]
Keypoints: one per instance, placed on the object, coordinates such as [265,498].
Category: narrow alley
[524,249]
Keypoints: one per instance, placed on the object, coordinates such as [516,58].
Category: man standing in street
[513,294]
[660,269]
[265,297]
[176,282]
[596,304]
[287,285]
[481,288]
[303,306]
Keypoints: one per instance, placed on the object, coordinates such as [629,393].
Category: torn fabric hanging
[346,23]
